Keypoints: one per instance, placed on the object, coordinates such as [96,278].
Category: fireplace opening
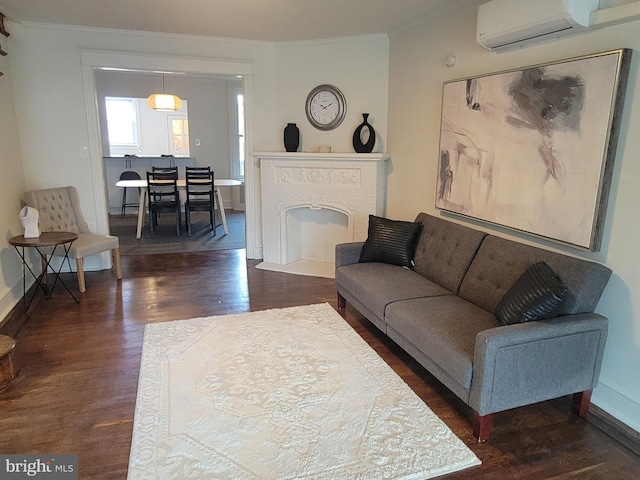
[310,234]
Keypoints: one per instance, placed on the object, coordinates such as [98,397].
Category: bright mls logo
[50,467]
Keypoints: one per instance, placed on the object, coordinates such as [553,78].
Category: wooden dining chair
[200,195]
[163,197]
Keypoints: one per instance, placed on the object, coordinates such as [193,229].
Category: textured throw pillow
[391,241]
[537,295]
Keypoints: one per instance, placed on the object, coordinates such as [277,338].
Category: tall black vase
[291,137]
[358,146]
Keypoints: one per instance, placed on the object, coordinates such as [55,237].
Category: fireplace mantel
[352,157]
[312,201]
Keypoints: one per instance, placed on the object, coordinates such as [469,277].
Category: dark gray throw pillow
[391,241]
[537,295]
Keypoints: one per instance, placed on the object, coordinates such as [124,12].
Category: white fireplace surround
[313,201]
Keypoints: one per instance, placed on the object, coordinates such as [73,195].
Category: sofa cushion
[445,251]
[444,329]
[378,284]
[537,295]
[391,241]
[499,262]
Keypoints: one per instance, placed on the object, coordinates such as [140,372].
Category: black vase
[291,137]
[358,146]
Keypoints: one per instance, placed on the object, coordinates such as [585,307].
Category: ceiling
[263,20]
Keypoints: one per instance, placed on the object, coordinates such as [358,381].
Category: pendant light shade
[164,102]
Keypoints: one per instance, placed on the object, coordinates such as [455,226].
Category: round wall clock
[325,107]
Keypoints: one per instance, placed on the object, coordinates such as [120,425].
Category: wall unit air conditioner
[508,24]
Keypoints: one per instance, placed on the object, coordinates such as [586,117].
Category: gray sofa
[443,314]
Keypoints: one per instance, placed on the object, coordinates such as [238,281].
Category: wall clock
[325,107]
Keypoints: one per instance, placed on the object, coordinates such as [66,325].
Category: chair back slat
[155,168]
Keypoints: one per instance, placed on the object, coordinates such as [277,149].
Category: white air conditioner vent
[508,24]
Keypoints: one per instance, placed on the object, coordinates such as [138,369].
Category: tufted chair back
[59,209]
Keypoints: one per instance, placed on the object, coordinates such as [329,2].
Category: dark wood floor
[78,372]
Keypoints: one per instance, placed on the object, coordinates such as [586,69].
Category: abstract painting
[533,149]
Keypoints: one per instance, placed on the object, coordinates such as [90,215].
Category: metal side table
[45,244]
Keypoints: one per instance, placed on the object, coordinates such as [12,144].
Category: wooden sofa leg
[482,426]
[116,261]
[581,402]
[342,303]
[80,269]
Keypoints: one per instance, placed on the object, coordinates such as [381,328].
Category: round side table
[46,245]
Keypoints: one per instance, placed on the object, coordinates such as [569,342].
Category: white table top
[218,182]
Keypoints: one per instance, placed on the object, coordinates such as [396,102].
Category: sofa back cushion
[500,262]
[445,251]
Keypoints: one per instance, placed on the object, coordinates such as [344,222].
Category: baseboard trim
[614,428]
[17,316]
[608,424]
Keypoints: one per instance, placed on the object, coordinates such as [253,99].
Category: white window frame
[172,150]
[119,148]
[234,134]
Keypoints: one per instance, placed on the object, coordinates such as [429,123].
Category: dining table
[182,183]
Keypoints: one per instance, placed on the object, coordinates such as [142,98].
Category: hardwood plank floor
[78,371]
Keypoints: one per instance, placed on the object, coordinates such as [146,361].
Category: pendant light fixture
[164,102]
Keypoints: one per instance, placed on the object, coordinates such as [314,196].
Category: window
[179,127]
[240,107]
[236,131]
[135,129]
[122,121]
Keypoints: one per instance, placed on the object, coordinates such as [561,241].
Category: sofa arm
[531,362]
[348,253]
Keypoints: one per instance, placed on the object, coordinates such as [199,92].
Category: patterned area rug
[291,393]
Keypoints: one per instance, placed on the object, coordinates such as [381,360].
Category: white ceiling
[265,20]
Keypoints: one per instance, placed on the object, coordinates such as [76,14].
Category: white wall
[357,66]
[12,187]
[417,72]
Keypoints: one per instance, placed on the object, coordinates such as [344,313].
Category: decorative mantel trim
[381,157]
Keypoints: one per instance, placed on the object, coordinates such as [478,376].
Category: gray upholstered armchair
[59,210]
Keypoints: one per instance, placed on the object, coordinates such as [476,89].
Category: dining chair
[200,195]
[59,211]
[128,175]
[163,197]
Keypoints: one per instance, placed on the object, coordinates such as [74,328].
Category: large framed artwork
[533,149]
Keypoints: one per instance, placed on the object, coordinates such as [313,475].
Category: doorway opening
[208,131]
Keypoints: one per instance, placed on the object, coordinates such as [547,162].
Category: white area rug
[292,393]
